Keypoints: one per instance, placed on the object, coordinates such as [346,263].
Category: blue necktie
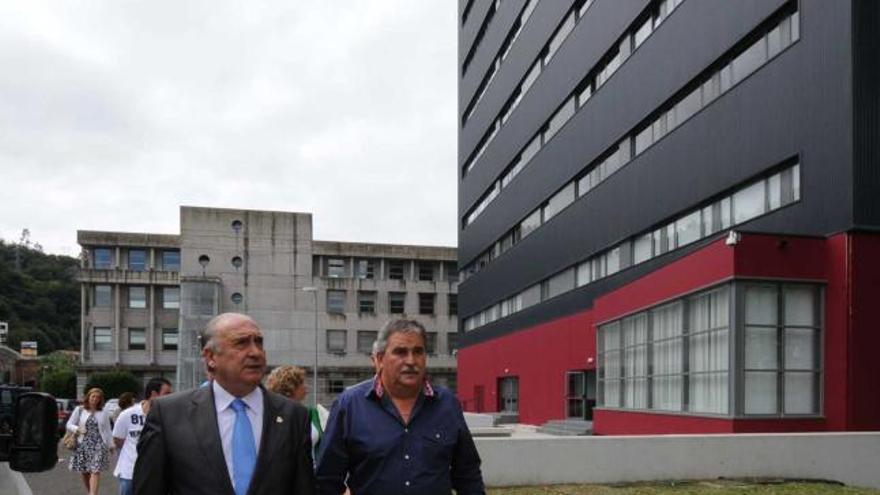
[244,450]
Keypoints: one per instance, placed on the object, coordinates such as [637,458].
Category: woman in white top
[93,439]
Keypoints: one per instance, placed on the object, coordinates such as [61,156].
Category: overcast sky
[114,113]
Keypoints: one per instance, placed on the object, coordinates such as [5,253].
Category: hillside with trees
[39,296]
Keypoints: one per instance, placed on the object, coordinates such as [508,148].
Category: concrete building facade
[147,296]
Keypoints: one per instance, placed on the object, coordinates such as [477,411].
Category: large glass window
[667,325]
[366,302]
[559,201]
[395,269]
[531,223]
[635,361]
[397,302]
[335,267]
[709,345]
[426,303]
[365,269]
[781,318]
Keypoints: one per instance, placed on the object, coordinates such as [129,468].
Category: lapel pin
[278,419]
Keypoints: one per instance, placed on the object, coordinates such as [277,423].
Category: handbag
[69,440]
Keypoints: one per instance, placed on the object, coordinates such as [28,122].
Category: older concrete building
[146,296]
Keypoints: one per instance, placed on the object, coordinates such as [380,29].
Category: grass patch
[712,487]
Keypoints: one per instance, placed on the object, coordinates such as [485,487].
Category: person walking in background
[397,433]
[232,436]
[126,400]
[92,428]
[128,428]
[290,381]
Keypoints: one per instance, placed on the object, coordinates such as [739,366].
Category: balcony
[119,276]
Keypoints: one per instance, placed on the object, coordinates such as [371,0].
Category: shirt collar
[222,398]
[378,391]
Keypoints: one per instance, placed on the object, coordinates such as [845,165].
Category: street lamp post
[314,291]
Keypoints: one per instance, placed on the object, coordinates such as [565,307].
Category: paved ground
[63,481]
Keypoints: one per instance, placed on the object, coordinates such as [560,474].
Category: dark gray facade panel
[604,23]
[866,115]
[631,94]
[795,104]
[469,30]
[522,54]
[497,30]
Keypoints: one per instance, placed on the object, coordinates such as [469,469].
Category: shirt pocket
[438,445]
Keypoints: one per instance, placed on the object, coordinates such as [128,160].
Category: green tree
[61,384]
[114,383]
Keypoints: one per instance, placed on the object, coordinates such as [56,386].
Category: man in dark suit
[232,437]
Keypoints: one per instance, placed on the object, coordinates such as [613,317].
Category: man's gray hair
[398,325]
[208,336]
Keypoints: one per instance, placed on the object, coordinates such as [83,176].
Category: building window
[102,339]
[453,304]
[397,302]
[171,297]
[452,272]
[335,385]
[365,269]
[335,267]
[137,260]
[395,269]
[426,303]
[103,259]
[103,296]
[137,297]
[366,302]
[169,339]
[426,271]
[336,341]
[171,261]
[336,301]
[365,339]
[781,354]
[431,343]
[137,339]
[645,353]
[452,341]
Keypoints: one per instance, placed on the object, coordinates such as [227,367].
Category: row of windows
[596,77]
[102,297]
[102,339]
[702,91]
[746,203]
[517,27]
[366,302]
[137,259]
[565,28]
[395,269]
[677,357]
[484,27]
[337,341]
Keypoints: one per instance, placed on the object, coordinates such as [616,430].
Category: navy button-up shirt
[367,441]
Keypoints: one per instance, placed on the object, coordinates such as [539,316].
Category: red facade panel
[539,357]
[864,367]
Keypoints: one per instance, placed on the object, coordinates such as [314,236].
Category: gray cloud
[112,114]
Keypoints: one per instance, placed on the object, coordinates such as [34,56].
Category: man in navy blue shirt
[398,434]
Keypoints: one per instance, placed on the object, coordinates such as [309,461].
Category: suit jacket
[179,451]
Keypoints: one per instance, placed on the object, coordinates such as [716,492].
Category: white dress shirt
[226,419]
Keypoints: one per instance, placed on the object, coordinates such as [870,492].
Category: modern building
[145,297]
[669,213]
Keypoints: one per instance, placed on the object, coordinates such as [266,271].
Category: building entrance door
[580,394]
[508,394]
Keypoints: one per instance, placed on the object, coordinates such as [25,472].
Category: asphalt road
[63,481]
